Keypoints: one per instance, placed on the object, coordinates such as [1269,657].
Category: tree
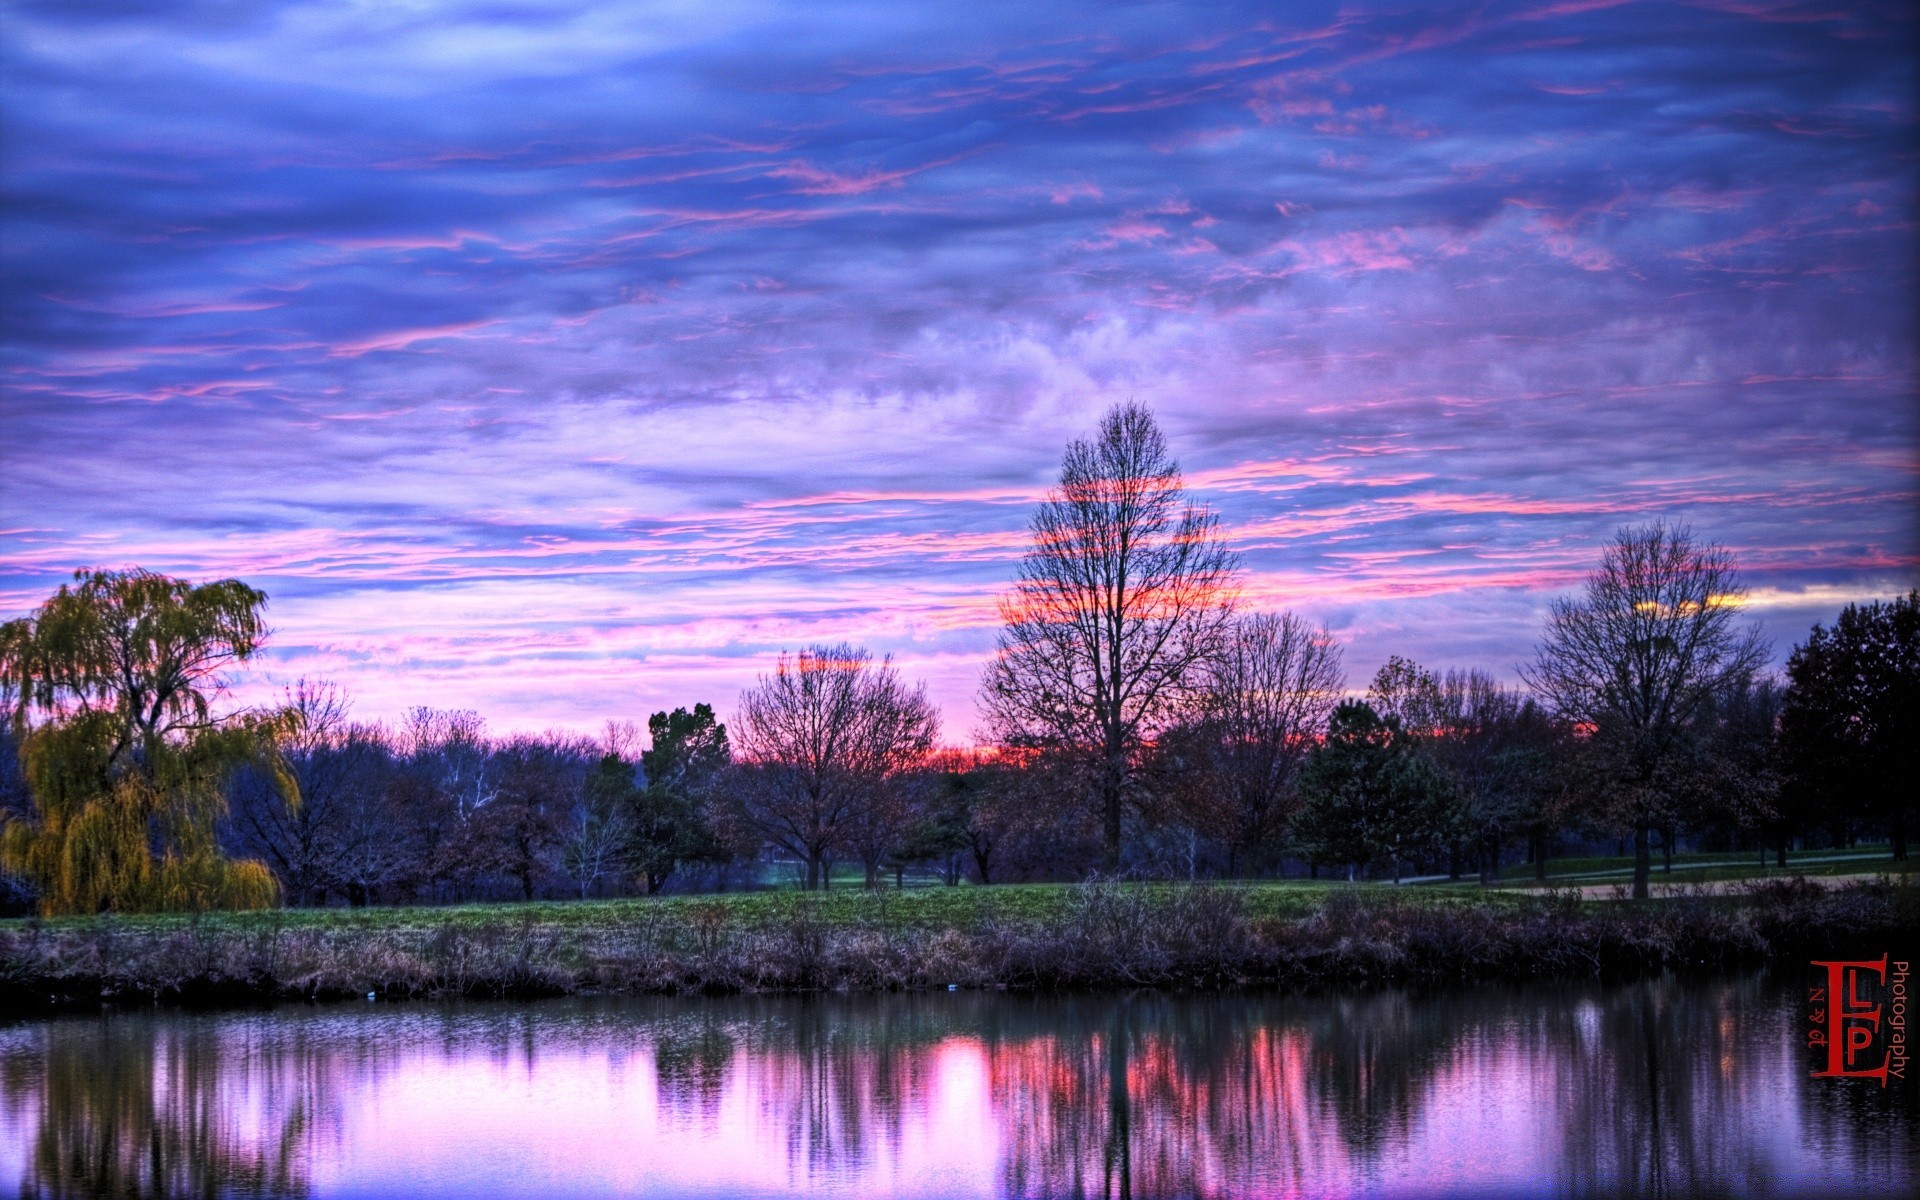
[1119,605]
[450,776]
[1732,784]
[1507,758]
[1409,695]
[1370,795]
[517,830]
[822,738]
[669,823]
[937,829]
[1850,720]
[599,837]
[1639,657]
[1234,767]
[113,682]
[344,835]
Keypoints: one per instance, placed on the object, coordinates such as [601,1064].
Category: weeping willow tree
[110,685]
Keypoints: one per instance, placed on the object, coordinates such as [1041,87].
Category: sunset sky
[567,361]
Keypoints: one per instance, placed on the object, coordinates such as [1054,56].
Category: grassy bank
[1042,936]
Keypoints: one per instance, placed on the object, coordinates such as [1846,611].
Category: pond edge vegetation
[1098,935]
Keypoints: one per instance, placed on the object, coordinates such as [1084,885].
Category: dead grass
[1095,935]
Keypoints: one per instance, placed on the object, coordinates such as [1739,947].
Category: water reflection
[1660,1088]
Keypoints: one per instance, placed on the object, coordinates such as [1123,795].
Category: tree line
[1137,719]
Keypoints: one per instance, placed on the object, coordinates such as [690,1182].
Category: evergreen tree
[1371,796]
[1850,722]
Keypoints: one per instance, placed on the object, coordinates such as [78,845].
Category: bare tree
[1266,702]
[292,839]
[822,738]
[1640,656]
[596,833]
[1120,602]
[540,780]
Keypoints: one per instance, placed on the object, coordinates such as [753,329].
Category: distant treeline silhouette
[1138,720]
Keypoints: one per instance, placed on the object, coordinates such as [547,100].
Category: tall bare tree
[1119,604]
[1640,656]
[822,739]
[1265,704]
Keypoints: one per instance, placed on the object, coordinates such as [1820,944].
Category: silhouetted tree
[822,739]
[517,831]
[598,840]
[1850,720]
[1233,767]
[1371,795]
[1639,657]
[1509,761]
[1119,605]
[670,823]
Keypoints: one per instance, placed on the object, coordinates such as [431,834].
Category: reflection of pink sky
[585,1123]
[507,1102]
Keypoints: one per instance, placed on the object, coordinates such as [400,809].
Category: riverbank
[1034,937]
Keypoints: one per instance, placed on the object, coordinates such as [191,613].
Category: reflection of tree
[124,1112]
[1663,1087]
[1667,1095]
[690,1062]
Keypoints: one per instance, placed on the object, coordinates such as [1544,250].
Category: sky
[570,361]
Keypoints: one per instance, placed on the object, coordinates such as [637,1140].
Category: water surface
[1666,1087]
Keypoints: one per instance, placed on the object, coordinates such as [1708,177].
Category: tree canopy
[1850,721]
[112,682]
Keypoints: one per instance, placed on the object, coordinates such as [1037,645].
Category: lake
[1664,1087]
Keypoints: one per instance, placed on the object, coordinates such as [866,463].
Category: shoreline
[1083,937]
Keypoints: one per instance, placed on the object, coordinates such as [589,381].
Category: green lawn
[926,903]
[963,907]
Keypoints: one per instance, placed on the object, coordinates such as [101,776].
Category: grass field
[967,907]
[927,904]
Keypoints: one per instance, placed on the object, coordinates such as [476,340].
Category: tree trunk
[1642,859]
[1781,854]
[1540,857]
[1453,861]
[1110,779]
[1898,828]
[1666,848]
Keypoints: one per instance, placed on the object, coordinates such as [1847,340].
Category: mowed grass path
[1713,866]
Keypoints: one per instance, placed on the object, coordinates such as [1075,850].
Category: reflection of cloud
[669,340]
